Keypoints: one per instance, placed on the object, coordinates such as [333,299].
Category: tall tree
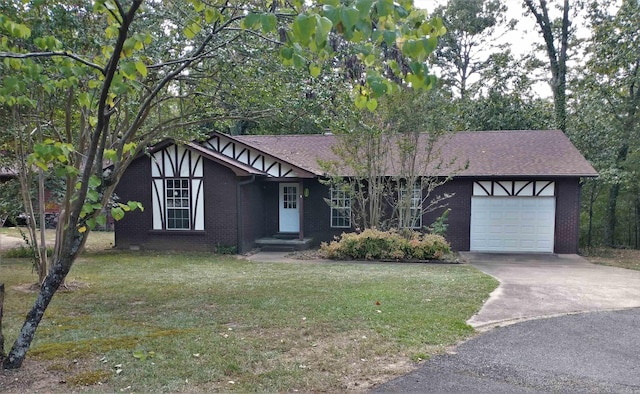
[612,74]
[472,27]
[507,99]
[556,34]
[126,85]
[393,160]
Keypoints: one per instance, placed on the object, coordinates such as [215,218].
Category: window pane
[340,209]
[177,204]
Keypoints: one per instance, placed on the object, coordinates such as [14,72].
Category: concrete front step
[280,245]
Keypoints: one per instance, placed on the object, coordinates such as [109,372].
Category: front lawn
[167,322]
[97,241]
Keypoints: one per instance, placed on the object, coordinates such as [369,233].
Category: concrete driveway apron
[543,285]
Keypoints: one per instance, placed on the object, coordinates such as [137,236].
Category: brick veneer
[566,221]
[567,232]
[136,229]
[259,208]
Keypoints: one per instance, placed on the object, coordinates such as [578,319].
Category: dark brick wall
[136,229]
[135,185]
[259,208]
[316,219]
[460,214]
[220,206]
[567,215]
[317,213]
[270,192]
[253,214]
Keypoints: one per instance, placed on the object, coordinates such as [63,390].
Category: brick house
[519,193]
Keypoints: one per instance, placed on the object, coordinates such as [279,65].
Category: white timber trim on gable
[254,158]
[177,162]
[514,188]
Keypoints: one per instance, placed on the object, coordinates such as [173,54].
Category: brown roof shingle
[518,153]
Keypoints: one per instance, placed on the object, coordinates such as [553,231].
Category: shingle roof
[489,153]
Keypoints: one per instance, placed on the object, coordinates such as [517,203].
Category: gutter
[239,211]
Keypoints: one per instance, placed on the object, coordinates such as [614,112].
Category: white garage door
[512,224]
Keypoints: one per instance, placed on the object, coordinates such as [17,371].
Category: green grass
[192,322]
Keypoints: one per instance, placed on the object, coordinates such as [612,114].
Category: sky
[522,40]
[526,35]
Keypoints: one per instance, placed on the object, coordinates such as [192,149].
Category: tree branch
[255,33]
[11,55]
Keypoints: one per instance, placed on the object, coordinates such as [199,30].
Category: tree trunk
[42,249]
[592,200]
[610,230]
[51,283]
[557,59]
[636,238]
[1,336]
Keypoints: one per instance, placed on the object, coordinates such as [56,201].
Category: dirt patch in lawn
[66,287]
[54,377]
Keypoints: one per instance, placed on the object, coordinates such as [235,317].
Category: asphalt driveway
[571,351]
[543,285]
[584,353]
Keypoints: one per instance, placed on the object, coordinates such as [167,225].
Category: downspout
[239,211]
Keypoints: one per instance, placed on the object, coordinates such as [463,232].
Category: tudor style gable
[255,158]
[177,192]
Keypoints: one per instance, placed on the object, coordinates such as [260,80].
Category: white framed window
[415,207]
[177,203]
[290,197]
[340,209]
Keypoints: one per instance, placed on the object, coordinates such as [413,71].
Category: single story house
[519,193]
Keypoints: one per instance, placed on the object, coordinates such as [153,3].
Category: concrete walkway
[544,285]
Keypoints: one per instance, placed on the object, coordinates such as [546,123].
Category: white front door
[289,208]
[512,224]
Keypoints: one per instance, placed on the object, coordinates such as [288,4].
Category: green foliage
[10,199]
[372,244]
[22,252]
[107,78]
[142,355]
[440,225]
[604,125]
[470,25]
[226,249]
[90,378]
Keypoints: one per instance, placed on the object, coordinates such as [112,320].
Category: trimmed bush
[372,244]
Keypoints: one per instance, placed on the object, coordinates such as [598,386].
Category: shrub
[372,244]
[20,252]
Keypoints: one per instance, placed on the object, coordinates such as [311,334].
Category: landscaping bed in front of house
[197,322]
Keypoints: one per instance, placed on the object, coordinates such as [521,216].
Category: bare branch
[11,55]
[255,33]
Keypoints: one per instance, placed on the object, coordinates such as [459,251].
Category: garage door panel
[512,224]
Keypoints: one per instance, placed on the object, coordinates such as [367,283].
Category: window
[177,203]
[340,209]
[290,197]
[416,207]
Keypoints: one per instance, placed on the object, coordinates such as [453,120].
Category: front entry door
[289,208]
